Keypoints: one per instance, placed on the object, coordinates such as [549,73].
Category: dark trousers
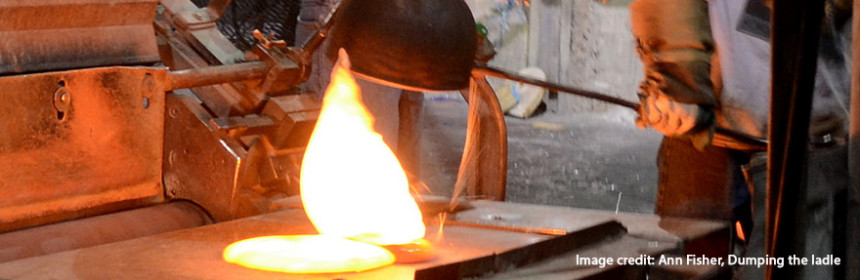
[697,184]
[705,184]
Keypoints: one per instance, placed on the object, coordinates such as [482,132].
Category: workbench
[495,240]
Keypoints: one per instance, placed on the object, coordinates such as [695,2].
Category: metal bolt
[172,157]
[200,15]
[173,112]
[62,99]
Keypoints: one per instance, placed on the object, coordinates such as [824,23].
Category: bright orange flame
[306,254]
[352,185]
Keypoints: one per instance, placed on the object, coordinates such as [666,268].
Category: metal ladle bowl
[411,44]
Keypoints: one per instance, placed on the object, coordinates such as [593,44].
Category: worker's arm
[675,45]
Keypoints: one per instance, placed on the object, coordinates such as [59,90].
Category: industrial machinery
[146,102]
[102,117]
[138,120]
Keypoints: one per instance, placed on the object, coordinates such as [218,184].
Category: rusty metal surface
[234,167]
[194,47]
[196,26]
[222,99]
[296,116]
[198,164]
[232,132]
[287,68]
[196,253]
[77,140]
[207,76]
[38,36]
[98,230]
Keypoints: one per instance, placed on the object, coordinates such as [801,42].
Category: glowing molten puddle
[352,187]
[306,254]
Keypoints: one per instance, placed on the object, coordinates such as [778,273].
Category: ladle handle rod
[490,71]
[758,144]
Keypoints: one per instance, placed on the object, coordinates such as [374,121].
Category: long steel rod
[216,75]
[794,53]
[490,71]
[756,143]
[544,231]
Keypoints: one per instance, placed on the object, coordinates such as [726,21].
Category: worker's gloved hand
[666,115]
[675,45]
[673,118]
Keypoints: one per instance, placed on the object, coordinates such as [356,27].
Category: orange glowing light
[740,231]
[306,254]
[353,189]
[352,185]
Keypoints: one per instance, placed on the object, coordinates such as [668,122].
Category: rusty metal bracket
[78,143]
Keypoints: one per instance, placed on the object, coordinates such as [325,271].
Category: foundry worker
[707,64]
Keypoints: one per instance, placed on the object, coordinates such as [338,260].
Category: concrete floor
[596,160]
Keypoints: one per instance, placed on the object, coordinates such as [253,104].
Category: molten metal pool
[353,190]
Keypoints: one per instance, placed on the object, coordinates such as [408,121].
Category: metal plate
[463,251]
[196,253]
[77,141]
[67,34]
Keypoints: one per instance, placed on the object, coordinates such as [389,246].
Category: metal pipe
[216,75]
[102,229]
[795,33]
[754,143]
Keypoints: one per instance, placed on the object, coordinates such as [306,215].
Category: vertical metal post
[852,225]
[483,167]
[794,42]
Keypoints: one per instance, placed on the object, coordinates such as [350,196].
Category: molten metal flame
[352,187]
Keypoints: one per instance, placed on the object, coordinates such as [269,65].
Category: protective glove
[676,119]
[666,115]
[675,45]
